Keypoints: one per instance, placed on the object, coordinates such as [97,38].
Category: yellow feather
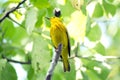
[59,35]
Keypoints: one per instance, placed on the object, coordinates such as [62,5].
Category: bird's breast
[58,35]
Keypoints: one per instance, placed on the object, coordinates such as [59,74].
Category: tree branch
[12,10]
[14,61]
[54,62]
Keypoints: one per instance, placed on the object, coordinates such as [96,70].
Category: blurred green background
[93,27]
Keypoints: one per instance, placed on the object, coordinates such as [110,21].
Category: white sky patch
[4,41]
[106,65]
[105,40]
[89,43]
[90,8]
[99,57]
[97,69]
[83,69]
[29,47]
[21,73]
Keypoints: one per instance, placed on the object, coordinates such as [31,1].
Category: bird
[59,35]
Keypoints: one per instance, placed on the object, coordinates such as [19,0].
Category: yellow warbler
[59,35]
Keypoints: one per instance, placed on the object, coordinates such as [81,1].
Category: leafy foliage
[6,71]
[24,35]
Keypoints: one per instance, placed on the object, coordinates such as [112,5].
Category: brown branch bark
[54,62]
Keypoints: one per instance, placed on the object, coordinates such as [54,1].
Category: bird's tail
[64,56]
[66,65]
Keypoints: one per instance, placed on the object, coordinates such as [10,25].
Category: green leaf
[11,51]
[2,64]
[100,48]
[31,19]
[109,8]
[1,34]
[110,0]
[92,75]
[14,1]
[19,35]
[83,8]
[67,7]
[98,11]
[59,74]
[95,33]
[8,73]
[85,76]
[13,35]
[30,74]
[40,3]
[8,29]
[88,25]
[97,71]
[116,38]
[40,56]
[40,17]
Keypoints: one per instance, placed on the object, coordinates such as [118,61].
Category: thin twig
[14,61]
[12,10]
[93,57]
[15,21]
[77,49]
[54,62]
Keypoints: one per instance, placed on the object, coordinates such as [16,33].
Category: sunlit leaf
[40,17]
[20,36]
[15,0]
[14,35]
[92,75]
[76,27]
[77,3]
[116,38]
[40,3]
[110,0]
[17,15]
[85,76]
[88,25]
[100,48]
[31,19]
[109,8]
[98,11]
[97,70]
[8,29]
[95,33]
[40,55]
[67,7]
[83,8]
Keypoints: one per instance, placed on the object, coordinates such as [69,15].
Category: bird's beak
[47,18]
